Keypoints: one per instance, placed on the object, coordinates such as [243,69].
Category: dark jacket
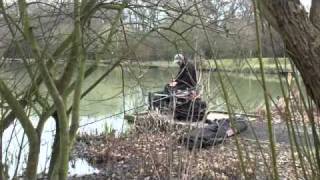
[187,77]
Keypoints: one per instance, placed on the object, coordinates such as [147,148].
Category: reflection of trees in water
[247,88]
[107,97]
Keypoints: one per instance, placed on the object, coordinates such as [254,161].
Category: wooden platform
[257,129]
[167,118]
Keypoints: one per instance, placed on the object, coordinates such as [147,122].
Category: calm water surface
[103,107]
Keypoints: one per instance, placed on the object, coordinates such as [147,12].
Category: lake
[104,107]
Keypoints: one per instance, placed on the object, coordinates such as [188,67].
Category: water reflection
[104,107]
[14,142]
[98,125]
[81,167]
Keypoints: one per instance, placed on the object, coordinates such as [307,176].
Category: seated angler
[189,106]
[186,79]
[182,91]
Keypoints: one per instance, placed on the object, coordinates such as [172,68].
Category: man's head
[179,59]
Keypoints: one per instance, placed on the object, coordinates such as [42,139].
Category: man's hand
[173,84]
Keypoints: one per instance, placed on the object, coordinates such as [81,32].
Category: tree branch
[301,38]
[32,135]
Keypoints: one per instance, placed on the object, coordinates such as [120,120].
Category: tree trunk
[64,147]
[52,173]
[301,38]
[2,174]
[33,157]
[315,13]
[301,35]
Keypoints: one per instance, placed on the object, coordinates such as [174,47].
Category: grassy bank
[232,65]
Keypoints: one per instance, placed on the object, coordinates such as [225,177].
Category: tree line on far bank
[232,31]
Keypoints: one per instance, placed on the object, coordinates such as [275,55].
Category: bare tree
[300,33]
[60,87]
[61,43]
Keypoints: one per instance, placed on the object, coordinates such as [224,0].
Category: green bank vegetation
[233,65]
